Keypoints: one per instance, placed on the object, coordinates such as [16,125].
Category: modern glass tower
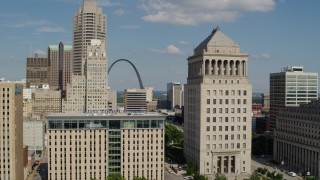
[291,87]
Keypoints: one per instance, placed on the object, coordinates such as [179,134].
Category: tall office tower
[65,66]
[135,100]
[38,71]
[99,145]
[89,23]
[11,132]
[217,117]
[175,95]
[296,138]
[291,87]
[88,90]
[53,59]
[60,62]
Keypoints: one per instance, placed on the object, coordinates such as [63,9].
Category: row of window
[227,92]
[226,101]
[226,119]
[226,146]
[226,110]
[226,128]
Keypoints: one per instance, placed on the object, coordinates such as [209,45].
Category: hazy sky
[158,35]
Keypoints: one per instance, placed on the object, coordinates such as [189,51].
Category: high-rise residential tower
[88,90]
[217,118]
[291,87]
[11,131]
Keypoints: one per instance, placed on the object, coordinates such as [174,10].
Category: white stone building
[34,134]
[217,118]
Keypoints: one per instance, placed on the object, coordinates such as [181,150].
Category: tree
[199,176]
[191,168]
[139,178]
[278,176]
[220,177]
[172,134]
[116,176]
[254,176]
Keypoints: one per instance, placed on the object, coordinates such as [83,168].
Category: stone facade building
[296,138]
[217,116]
[11,132]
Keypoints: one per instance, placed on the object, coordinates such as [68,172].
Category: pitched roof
[216,38]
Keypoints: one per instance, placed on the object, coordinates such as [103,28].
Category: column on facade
[228,68]
[230,164]
[203,67]
[240,69]
[232,67]
[215,67]
[210,67]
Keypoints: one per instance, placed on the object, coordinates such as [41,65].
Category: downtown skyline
[274,33]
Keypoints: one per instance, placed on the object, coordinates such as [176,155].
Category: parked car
[293,174]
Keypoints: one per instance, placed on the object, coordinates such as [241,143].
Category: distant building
[38,71]
[99,145]
[135,100]
[33,134]
[46,101]
[265,102]
[175,95]
[296,138]
[60,62]
[11,131]
[217,116]
[291,87]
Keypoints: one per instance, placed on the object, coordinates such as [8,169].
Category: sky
[157,36]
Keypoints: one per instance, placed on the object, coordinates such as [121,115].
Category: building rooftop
[216,38]
[106,114]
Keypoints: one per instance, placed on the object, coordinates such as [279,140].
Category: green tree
[191,168]
[139,178]
[116,176]
[254,176]
[278,176]
[173,134]
[220,177]
[199,176]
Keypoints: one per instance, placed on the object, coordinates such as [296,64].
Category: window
[226,119]
[227,92]
[214,110]
[226,137]
[208,137]
[232,128]
[245,92]
[220,128]
[208,146]
[208,92]
[214,119]
[239,93]
[226,110]
[232,145]
[208,119]
[244,110]
[226,128]
[244,145]
[232,93]
[220,92]
[238,110]
[214,101]
[226,146]
[220,137]
[208,128]
[244,119]
[213,146]
[227,101]
[239,101]
[214,92]
[220,101]
[244,136]
[244,128]
[238,145]
[232,101]
[213,137]
[232,136]
[244,101]
[232,110]
[208,101]
[220,110]
[208,110]
[213,128]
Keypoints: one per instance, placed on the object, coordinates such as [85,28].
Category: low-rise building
[84,146]
[296,138]
[34,134]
